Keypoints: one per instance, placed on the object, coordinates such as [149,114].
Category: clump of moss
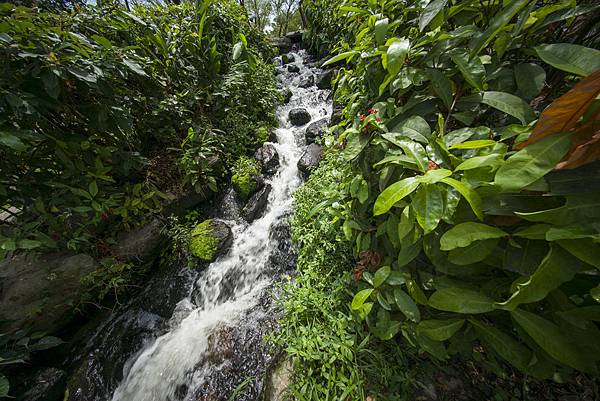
[203,244]
[262,135]
[245,169]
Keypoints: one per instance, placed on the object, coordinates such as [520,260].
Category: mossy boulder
[210,239]
[244,180]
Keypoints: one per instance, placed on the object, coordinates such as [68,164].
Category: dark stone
[336,116]
[47,384]
[294,37]
[256,205]
[42,290]
[307,81]
[287,58]
[141,244]
[293,68]
[310,159]
[324,79]
[268,157]
[222,232]
[284,44]
[299,116]
[287,95]
[315,130]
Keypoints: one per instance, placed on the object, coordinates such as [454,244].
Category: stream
[198,335]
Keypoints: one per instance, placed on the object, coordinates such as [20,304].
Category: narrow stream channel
[213,340]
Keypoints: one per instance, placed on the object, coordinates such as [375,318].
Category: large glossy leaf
[355,143]
[572,58]
[509,104]
[582,208]
[430,12]
[553,341]
[394,193]
[472,253]
[440,330]
[470,195]
[471,69]
[564,113]
[381,28]
[342,56]
[406,305]
[477,144]
[532,163]
[556,268]
[499,21]
[360,298]
[435,175]
[463,234]
[395,55]
[416,152]
[441,85]
[584,249]
[461,300]
[530,79]
[428,204]
[488,161]
[381,275]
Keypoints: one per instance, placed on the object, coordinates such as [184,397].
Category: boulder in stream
[307,81]
[279,379]
[287,95]
[287,58]
[210,239]
[268,158]
[299,116]
[256,205]
[324,79]
[293,68]
[47,384]
[310,159]
[316,130]
[140,244]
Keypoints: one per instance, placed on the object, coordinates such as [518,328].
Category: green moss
[262,135]
[245,168]
[203,244]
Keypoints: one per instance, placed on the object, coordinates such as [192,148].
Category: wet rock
[293,68]
[307,81]
[256,205]
[287,58]
[47,384]
[315,130]
[42,290]
[310,159]
[279,380]
[324,79]
[268,157]
[284,44]
[294,37]
[142,244]
[210,239]
[287,95]
[299,116]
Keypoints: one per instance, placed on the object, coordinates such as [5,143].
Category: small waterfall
[229,302]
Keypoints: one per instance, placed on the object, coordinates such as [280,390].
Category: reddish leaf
[562,115]
[585,147]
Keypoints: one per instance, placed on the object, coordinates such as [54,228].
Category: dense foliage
[96,103]
[472,217]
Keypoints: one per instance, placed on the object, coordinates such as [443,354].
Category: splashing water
[177,364]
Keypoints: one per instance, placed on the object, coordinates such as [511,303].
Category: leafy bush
[462,232]
[246,169]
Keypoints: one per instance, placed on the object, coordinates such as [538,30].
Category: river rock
[310,159]
[256,205]
[287,58]
[287,95]
[201,242]
[280,378]
[48,384]
[284,44]
[324,79]
[268,157]
[294,37]
[315,130]
[307,81]
[299,116]
[141,244]
[42,290]
[293,68]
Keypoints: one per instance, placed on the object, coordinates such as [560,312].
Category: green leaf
[4,386]
[381,28]
[406,305]
[93,188]
[408,252]
[584,249]
[595,293]
[360,298]
[430,12]
[464,234]
[442,86]
[238,49]
[395,55]
[506,346]
[530,79]
[135,67]
[550,338]
[556,268]
[472,253]
[571,58]
[471,69]
[509,104]
[488,161]
[12,141]
[499,21]
[440,330]
[28,244]
[470,195]
[46,343]
[532,162]
[394,193]
[416,152]
[435,175]
[461,300]
[355,143]
[341,56]
[477,144]
[428,204]
[381,275]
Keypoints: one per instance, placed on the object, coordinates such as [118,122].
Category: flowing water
[213,340]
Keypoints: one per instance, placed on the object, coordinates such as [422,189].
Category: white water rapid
[175,365]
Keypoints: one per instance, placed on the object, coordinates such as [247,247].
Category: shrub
[246,170]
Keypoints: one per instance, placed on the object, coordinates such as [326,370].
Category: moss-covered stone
[245,169]
[262,135]
[203,243]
